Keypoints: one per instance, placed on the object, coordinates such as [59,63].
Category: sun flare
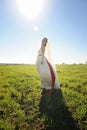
[29,8]
[36,28]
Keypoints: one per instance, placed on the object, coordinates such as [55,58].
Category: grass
[23,106]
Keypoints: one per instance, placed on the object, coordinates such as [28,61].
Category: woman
[46,69]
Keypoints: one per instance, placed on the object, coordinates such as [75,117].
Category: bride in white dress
[45,67]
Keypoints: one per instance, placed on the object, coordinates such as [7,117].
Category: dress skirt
[46,72]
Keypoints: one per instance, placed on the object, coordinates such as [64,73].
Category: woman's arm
[43,51]
[44,41]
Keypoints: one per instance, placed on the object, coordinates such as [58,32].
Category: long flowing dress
[47,72]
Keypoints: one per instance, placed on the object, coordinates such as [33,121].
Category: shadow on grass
[55,113]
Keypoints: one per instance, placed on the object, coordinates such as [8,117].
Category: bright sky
[24,24]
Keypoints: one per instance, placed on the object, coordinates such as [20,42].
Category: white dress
[45,73]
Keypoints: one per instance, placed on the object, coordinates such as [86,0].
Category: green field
[23,106]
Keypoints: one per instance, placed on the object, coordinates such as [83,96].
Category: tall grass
[23,106]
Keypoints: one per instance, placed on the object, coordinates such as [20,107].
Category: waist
[40,55]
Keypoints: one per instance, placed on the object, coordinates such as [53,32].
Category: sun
[30,9]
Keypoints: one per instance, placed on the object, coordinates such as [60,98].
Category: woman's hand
[42,59]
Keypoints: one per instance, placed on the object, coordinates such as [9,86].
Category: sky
[63,22]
